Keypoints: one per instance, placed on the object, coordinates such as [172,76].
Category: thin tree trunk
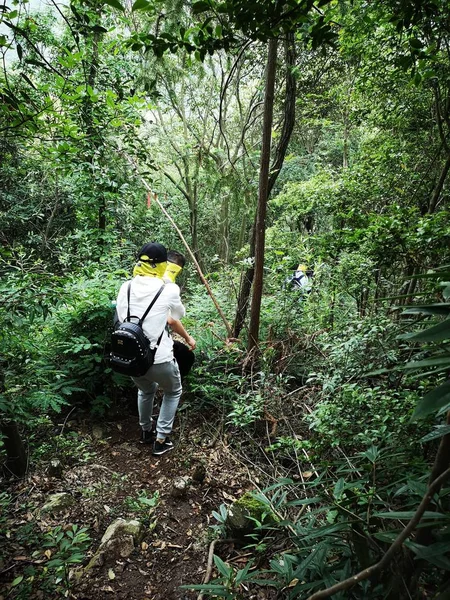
[439,186]
[345,150]
[224,228]
[260,230]
[244,290]
[280,153]
[410,569]
[242,231]
[289,112]
[16,462]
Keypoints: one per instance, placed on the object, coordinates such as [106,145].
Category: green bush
[74,342]
[357,416]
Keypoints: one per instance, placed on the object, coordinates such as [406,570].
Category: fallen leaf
[293,583]
[107,588]
[48,553]
[107,509]
[144,545]
[229,497]
[307,474]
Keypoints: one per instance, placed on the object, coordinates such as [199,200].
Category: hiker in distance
[149,301]
[301,280]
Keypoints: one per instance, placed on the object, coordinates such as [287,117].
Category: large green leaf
[115,4]
[438,432]
[141,5]
[433,401]
[442,309]
[221,566]
[408,514]
[429,362]
[437,333]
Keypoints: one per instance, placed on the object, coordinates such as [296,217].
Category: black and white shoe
[161,448]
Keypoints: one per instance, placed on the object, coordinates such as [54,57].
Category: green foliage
[75,338]
[247,408]
[221,518]
[356,416]
[58,552]
[143,507]
[438,356]
[70,448]
[67,547]
[331,526]
[231,583]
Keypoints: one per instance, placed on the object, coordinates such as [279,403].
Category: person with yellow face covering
[300,279]
[164,373]
[183,355]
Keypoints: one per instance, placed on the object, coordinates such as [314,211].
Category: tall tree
[263,194]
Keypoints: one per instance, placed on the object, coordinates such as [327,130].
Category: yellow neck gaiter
[172,270]
[146,268]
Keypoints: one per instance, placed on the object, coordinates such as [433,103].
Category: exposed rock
[179,487]
[97,432]
[119,541]
[130,448]
[121,547]
[55,468]
[121,527]
[58,502]
[240,520]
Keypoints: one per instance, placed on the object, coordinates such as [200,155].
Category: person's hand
[191,342]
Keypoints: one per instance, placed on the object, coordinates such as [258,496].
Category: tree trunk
[409,569]
[224,228]
[16,462]
[345,150]
[263,194]
[280,153]
[289,112]
[194,231]
[439,186]
[244,291]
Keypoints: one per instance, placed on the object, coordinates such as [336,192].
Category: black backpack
[131,353]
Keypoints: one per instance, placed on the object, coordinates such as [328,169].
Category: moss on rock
[240,521]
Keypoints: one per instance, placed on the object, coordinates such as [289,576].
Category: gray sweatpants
[167,376]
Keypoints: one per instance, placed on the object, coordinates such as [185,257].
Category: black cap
[155,252]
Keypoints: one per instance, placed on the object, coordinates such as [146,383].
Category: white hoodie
[143,290]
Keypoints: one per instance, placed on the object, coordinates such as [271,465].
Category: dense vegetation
[339,397]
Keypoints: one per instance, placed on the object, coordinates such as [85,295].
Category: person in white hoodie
[146,283]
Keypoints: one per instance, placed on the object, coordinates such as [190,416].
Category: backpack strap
[141,320]
[128,301]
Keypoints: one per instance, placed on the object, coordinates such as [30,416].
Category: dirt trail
[117,473]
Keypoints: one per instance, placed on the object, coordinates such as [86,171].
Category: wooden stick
[191,254]
[209,567]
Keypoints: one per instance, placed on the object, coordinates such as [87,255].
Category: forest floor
[114,476]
